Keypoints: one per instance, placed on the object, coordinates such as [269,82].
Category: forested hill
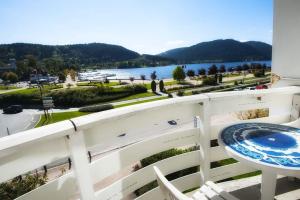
[87,54]
[221,51]
[55,58]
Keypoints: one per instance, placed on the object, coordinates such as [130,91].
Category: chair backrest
[169,191]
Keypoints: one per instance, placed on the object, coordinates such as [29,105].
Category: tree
[131,79]
[153,75]
[220,78]
[209,81]
[239,68]
[212,70]
[153,86]
[246,67]
[161,86]
[143,78]
[190,73]
[231,69]
[10,77]
[13,77]
[31,61]
[222,69]
[216,78]
[62,77]
[178,74]
[202,72]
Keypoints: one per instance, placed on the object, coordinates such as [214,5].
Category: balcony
[103,147]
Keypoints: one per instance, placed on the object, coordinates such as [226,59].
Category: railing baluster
[203,123]
[80,165]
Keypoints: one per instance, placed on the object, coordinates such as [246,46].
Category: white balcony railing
[148,133]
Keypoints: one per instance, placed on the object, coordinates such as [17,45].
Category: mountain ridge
[220,50]
[91,54]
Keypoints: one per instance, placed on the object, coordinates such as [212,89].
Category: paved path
[17,122]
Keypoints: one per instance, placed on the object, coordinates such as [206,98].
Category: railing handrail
[85,132]
[84,122]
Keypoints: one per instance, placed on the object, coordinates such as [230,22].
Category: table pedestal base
[268,185]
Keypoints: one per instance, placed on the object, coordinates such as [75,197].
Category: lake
[164,72]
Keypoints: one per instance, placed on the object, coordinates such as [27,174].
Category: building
[103,147]
[40,78]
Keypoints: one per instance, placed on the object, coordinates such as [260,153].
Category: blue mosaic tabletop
[267,143]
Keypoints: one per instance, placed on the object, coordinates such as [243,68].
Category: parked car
[13,109]
[249,88]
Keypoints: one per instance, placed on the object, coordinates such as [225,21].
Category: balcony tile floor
[249,188]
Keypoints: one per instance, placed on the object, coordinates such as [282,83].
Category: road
[17,122]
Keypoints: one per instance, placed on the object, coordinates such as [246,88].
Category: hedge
[96,108]
[72,97]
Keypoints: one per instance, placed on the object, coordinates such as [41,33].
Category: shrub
[23,99]
[209,81]
[259,73]
[137,88]
[71,97]
[96,108]
[180,93]
[161,86]
[202,72]
[222,69]
[20,185]
[190,73]
[212,70]
[10,76]
[153,75]
[143,77]
[62,77]
[178,74]
[194,92]
[153,86]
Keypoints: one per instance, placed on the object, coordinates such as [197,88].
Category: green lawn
[45,88]
[24,91]
[3,87]
[139,102]
[57,117]
[98,84]
[148,85]
[136,96]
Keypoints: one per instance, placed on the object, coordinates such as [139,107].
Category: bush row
[96,108]
[72,97]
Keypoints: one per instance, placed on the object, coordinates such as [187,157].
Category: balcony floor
[249,188]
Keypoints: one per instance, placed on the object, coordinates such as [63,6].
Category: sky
[144,26]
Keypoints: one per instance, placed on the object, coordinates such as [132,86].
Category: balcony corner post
[80,165]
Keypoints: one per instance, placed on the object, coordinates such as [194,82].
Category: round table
[272,148]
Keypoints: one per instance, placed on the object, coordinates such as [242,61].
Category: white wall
[286,42]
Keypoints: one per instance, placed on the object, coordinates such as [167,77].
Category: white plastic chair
[208,191]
